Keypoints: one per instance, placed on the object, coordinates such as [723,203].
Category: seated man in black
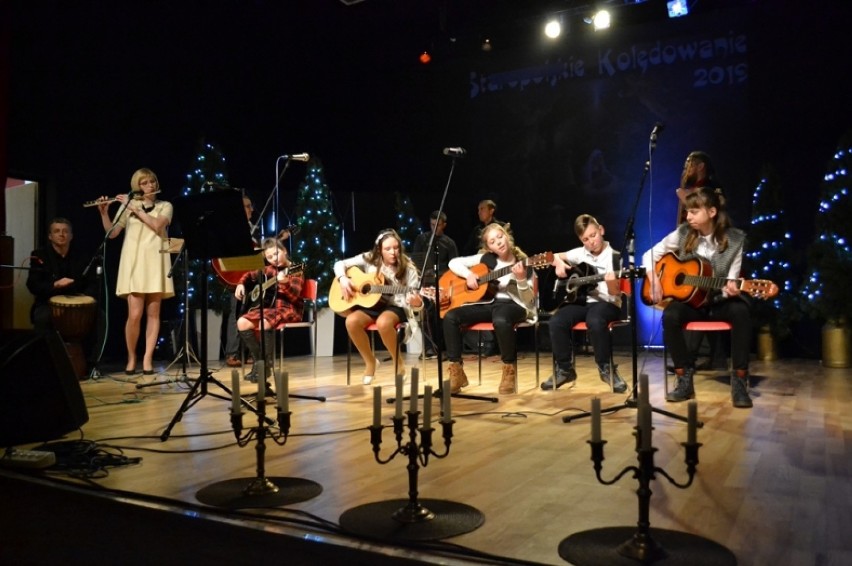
[425,257]
[55,270]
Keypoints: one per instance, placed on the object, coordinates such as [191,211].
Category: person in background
[232,338]
[446,250]
[600,306]
[388,258]
[142,270]
[286,307]
[485,210]
[57,269]
[707,234]
[513,302]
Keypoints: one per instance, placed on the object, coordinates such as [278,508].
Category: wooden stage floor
[773,486]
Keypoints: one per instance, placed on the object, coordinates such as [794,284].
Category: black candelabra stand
[414,518]
[628,545]
[260,491]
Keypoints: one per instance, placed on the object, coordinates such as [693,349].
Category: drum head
[72,300]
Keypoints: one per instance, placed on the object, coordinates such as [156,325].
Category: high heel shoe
[368,379]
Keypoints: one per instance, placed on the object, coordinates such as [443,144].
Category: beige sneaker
[458,378]
[507,383]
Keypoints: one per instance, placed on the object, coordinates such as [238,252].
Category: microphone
[455,151]
[658,127]
[297,157]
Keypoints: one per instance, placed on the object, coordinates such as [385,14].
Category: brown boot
[507,383]
[458,378]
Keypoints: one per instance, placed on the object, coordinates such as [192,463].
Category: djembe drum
[73,317]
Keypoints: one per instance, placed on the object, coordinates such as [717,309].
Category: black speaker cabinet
[40,397]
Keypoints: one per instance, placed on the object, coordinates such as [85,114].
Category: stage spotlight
[677,8]
[601,20]
[425,58]
[553,28]
[486,45]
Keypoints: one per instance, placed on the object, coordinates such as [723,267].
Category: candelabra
[414,518]
[260,491]
[626,545]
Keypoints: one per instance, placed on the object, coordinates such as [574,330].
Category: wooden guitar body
[454,291]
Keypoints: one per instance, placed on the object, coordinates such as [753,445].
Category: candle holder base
[396,520]
[247,493]
[616,546]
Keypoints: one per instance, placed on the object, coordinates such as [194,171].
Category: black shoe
[739,392]
[268,391]
[251,376]
[563,376]
[684,388]
[618,385]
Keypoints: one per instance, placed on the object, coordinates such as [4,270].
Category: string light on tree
[770,260]
[827,290]
[319,229]
[407,224]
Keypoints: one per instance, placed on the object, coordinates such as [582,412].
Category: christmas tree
[208,173]
[407,224]
[319,230]
[827,291]
[770,256]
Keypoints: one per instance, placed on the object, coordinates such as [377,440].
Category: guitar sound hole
[679,278]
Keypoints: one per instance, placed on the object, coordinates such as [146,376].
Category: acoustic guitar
[583,279]
[257,291]
[231,278]
[689,281]
[369,291]
[454,290]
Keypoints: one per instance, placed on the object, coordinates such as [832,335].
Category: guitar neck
[705,282]
[390,289]
[498,273]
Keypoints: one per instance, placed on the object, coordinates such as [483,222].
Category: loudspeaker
[40,397]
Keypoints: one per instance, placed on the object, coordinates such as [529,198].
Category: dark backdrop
[99,89]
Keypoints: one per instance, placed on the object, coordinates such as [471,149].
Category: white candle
[235,391]
[398,399]
[427,405]
[691,422]
[277,375]
[377,406]
[644,412]
[596,419]
[261,382]
[414,388]
[445,401]
[284,392]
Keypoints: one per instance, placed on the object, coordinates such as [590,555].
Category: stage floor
[772,485]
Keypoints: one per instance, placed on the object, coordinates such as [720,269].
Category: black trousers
[503,314]
[734,311]
[597,316]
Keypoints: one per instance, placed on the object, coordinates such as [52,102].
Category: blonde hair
[139,175]
[483,238]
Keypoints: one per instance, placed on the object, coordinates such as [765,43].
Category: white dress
[142,268]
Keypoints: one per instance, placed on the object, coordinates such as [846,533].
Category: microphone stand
[275,193]
[185,355]
[99,274]
[436,319]
[102,290]
[634,273]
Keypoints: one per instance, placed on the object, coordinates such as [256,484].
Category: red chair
[309,296]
